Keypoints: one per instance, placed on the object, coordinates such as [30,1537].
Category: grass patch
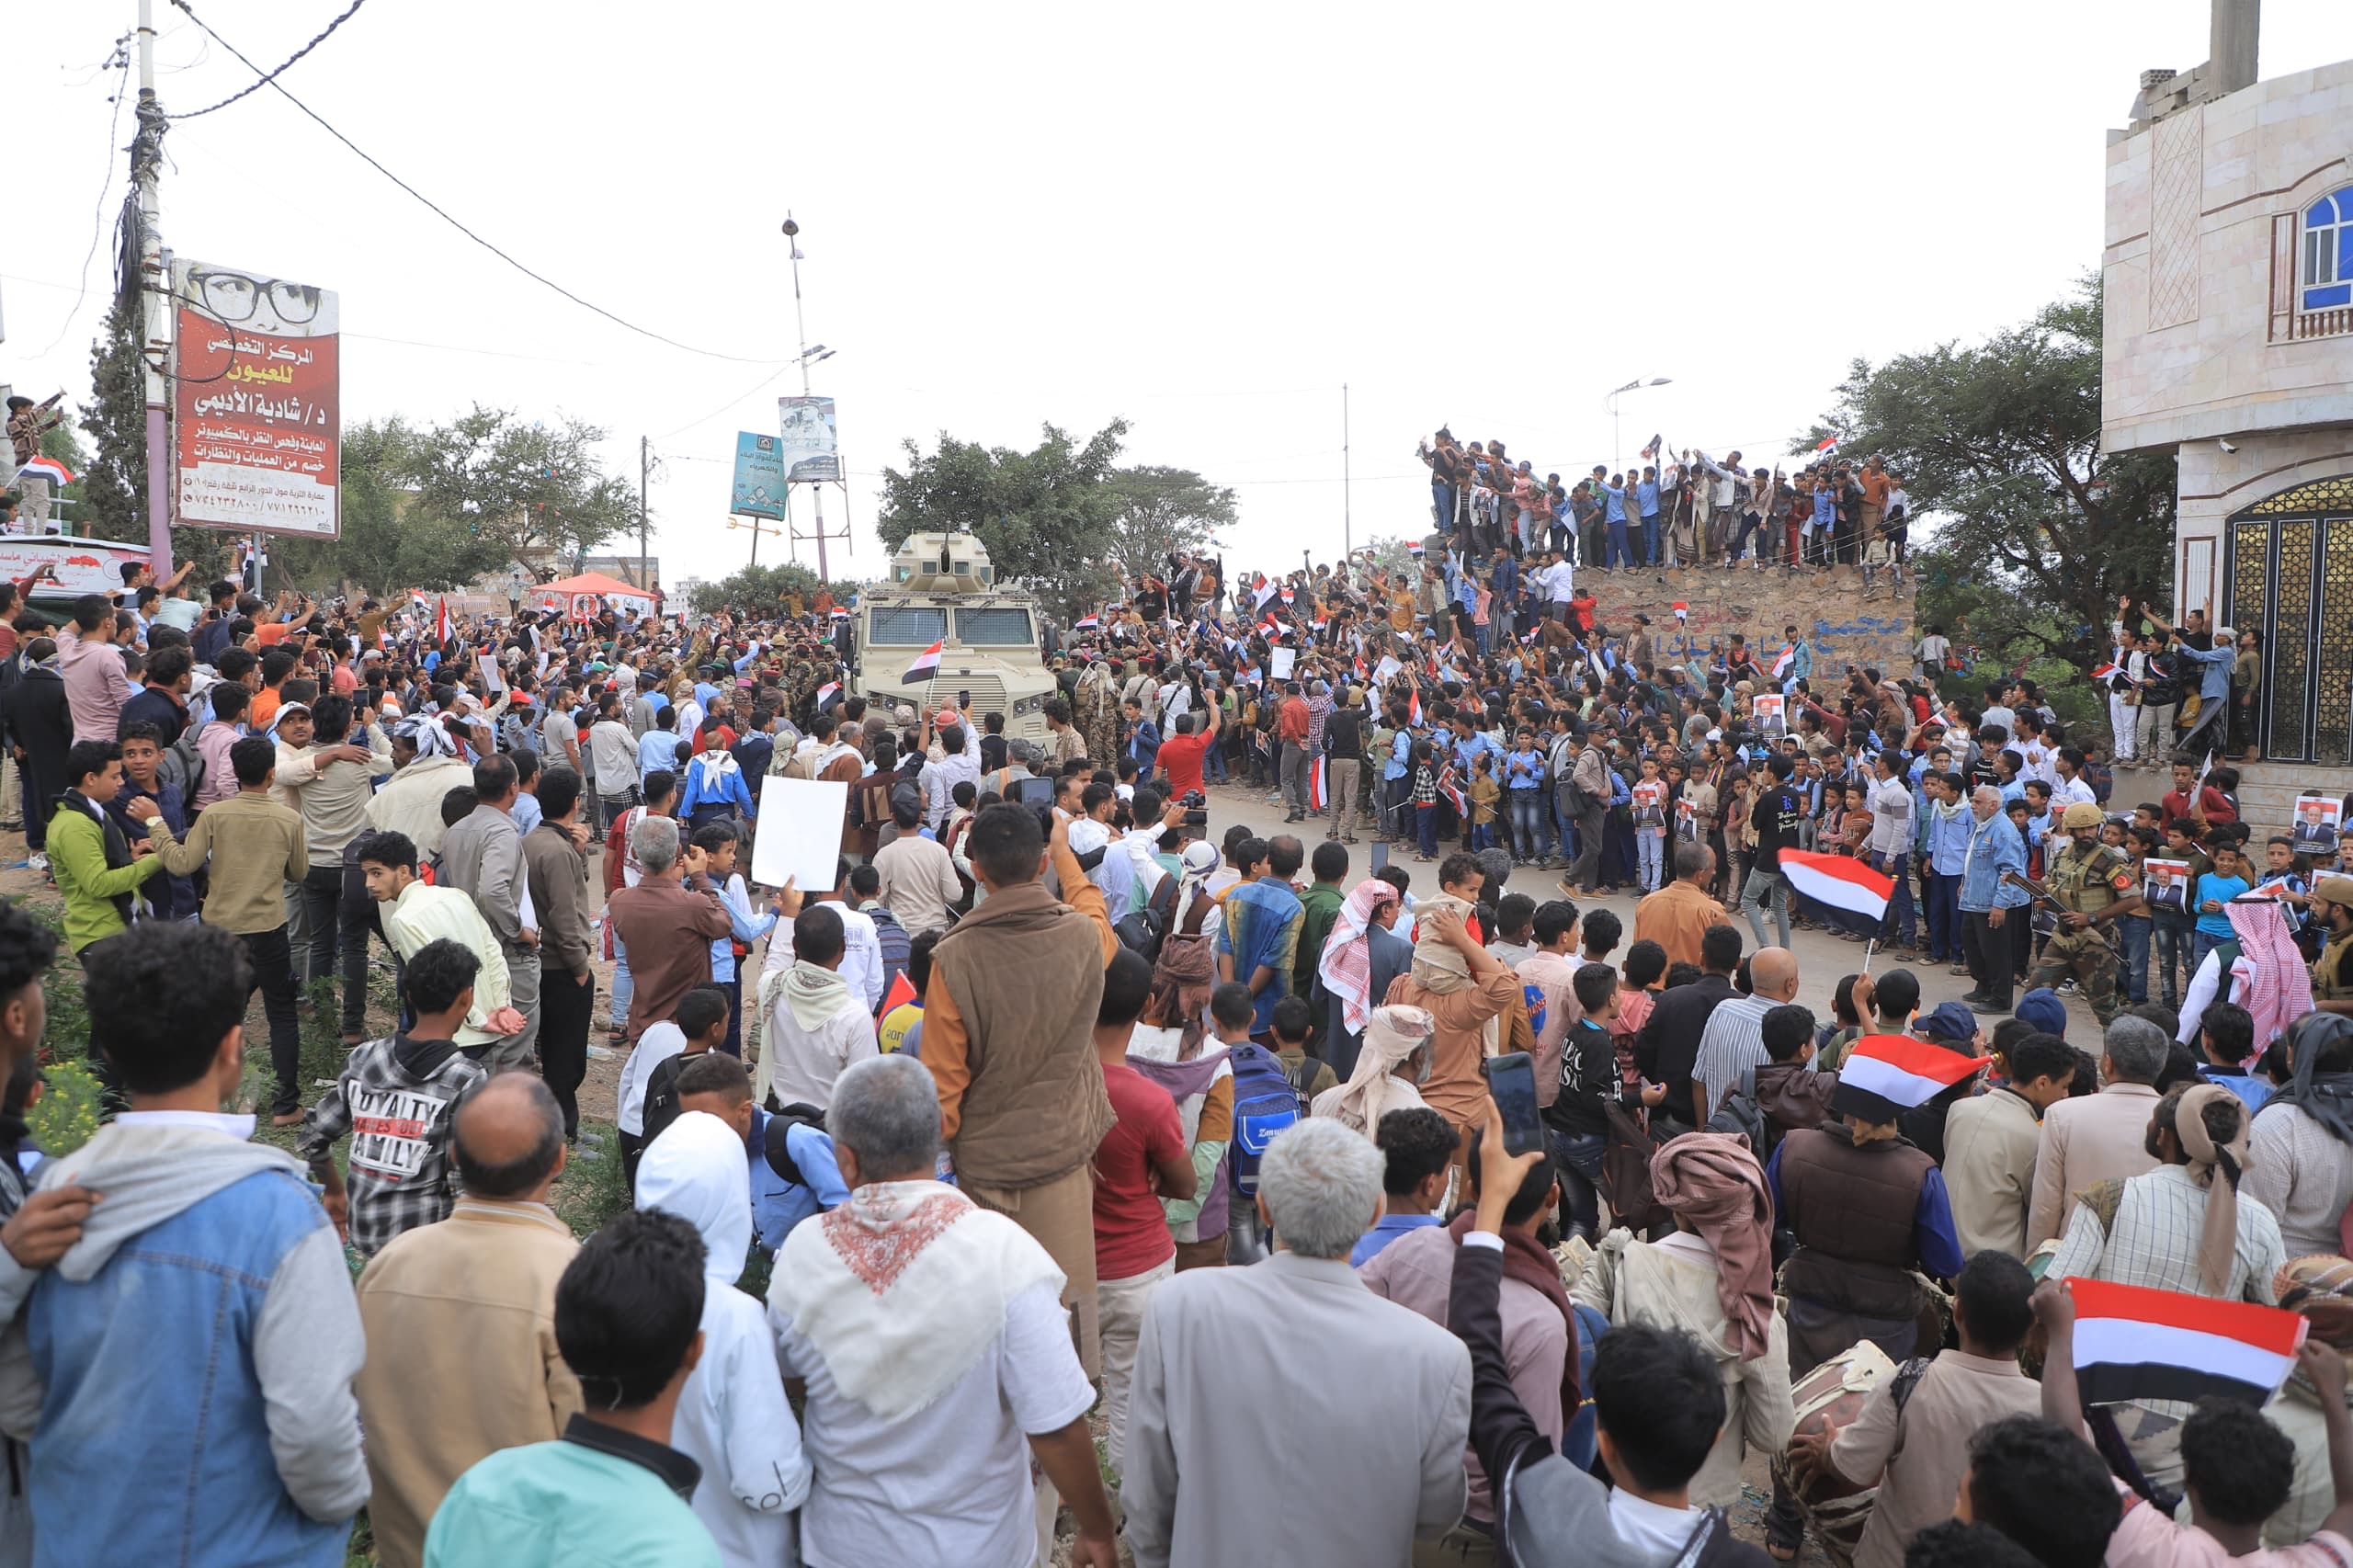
[592,1189]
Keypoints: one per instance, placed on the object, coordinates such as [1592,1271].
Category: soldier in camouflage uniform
[2096,884]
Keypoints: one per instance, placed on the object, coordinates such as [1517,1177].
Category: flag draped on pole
[441,620]
[927,665]
[1318,790]
[1840,880]
[2133,1343]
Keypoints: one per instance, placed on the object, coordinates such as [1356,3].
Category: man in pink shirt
[91,662]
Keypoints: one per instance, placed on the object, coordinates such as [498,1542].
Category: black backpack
[1145,929]
[662,1096]
[775,1140]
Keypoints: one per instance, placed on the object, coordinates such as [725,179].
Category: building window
[2328,251]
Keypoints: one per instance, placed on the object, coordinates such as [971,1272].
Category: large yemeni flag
[1840,880]
[1784,659]
[1318,792]
[927,665]
[441,621]
[2135,1343]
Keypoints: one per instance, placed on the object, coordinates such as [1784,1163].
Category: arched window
[2328,251]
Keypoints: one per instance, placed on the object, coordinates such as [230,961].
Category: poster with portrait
[255,415]
[806,442]
[1767,717]
[759,487]
[1687,821]
[2317,823]
[2166,884]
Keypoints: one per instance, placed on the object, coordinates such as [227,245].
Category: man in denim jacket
[1987,899]
[201,1335]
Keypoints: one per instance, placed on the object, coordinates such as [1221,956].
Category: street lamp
[1634,385]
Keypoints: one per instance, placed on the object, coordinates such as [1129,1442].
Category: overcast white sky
[1205,219]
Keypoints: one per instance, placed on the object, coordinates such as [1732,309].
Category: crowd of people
[1075,1174]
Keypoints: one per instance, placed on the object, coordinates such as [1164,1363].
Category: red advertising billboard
[256,420]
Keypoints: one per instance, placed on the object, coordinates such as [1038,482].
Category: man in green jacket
[101,873]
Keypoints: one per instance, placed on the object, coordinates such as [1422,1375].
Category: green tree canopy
[758,590]
[2030,532]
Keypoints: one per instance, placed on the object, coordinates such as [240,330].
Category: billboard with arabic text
[256,421]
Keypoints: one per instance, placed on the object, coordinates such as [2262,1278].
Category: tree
[759,589]
[1163,511]
[2032,531]
[114,484]
[515,488]
[1049,518]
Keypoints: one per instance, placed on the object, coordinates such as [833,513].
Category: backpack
[895,942]
[1143,928]
[1302,1077]
[1740,1115]
[662,1097]
[1265,1106]
[775,1147]
[183,764]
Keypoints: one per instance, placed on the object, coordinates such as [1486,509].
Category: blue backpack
[1264,1103]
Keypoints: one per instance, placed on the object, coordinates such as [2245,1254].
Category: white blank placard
[799,832]
[1279,663]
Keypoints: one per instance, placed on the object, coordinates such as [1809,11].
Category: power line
[731,403]
[439,212]
[120,61]
[273,77]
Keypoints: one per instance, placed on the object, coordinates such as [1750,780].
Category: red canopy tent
[577,597]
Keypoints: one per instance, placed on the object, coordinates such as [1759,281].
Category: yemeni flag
[1827,444]
[826,693]
[1682,610]
[1088,623]
[1451,789]
[1884,1075]
[1651,451]
[1414,550]
[1841,882]
[840,614]
[1318,790]
[1783,660]
[1286,592]
[1261,591]
[48,468]
[441,620]
[1414,714]
[2134,1343]
[901,992]
[927,665]
[1270,629]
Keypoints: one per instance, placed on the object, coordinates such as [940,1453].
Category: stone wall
[1829,609]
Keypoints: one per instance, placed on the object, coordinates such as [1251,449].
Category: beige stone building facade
[2229,338]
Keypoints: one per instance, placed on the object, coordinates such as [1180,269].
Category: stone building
[2229,338]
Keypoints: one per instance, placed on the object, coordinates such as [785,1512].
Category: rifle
[2044,897]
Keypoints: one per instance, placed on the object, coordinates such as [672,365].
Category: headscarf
[696,1170]
[2321,1288]
[2278,986]
[1346,964]
[1390,1034]
[1711,1180]
[423,732]
[2326,1097]
[1183,976]
[2217,1237]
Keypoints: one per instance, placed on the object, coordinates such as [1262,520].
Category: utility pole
[155,285]
[645,470]
[801,325]
[1347,530]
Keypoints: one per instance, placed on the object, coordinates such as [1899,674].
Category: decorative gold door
[2292,579]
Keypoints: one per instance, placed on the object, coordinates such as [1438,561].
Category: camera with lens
[1197,815]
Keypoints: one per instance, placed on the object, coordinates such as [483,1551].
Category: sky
[1480,215]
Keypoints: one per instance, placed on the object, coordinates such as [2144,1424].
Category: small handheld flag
[48,468]
[826,693]
[1828,443]
[1088,623]
[1783,660]
[901,992]
[1414,550]
[1682,610]
[441,621]
[2133,1343]
[1651,451]
[1414,714]
[1450,787]
[1884,1075]
[1318,789]
[927,665]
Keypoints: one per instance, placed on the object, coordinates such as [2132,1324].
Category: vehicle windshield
[911,626]
[999,627]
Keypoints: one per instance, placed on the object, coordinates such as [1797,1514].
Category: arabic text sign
[760,489]
[256,422]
